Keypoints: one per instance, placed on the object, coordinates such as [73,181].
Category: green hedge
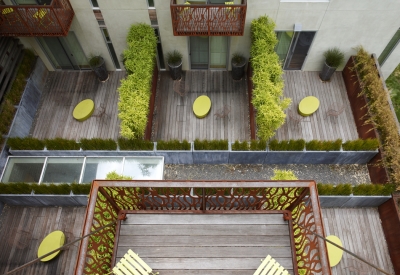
[173,145]
[287,145]
[358,190]
[324,145]
[56,189]
[361,145]
[98,144]
[254,145]
[267,78]
[61,144]
[135,89]
[135,144]
[27,143]
[211,144]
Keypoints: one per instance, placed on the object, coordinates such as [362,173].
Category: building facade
[305,29]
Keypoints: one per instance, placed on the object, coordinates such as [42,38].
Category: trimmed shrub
[267,79]
[115,176]
[324,145]
[283,175]
[55,189]
[27,143]
[135,144]
[361,145]
[173,144]
[134,91]
[258,145]
[373,189]
[211,144]
[80,189]
[61,144]
[240,146]
[287,145]
[380,113]
[98,144]
[15,188]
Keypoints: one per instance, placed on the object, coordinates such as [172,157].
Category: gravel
[321,173]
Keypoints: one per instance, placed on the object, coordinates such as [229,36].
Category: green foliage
[15,188]
[115,176]
[361,145]
[267,79]
[61,144]
[173,145]
[6,116]
[80,189]
[174,58]
[240,146]
[287,145]
[55,189]
[98,144]
[393,84]
[238,59]
[324,145]
[27,143]
[334,190]
[380,113]
[211,144]
[139,61]
[95,61]
[373,189]
[258,145]
[334,57]
[283,175]
[135,144]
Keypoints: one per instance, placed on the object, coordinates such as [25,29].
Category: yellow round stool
[83,110]
[52,241]
[335,254]
[201,106]
[308,105]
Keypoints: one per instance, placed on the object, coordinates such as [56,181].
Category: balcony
[208,20]
[34,20]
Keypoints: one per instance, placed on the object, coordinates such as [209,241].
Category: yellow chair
[270,266]
[131,263]
[43,17]
[10,15]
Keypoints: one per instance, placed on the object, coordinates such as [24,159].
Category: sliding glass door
[208,52]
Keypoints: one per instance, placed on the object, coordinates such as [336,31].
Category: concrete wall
[391,63]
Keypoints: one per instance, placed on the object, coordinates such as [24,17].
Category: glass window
[140,168]
[94,3]
[23,169]
[110,47]
[150,3]
[282,47]
[389,48]
[62,170]
[98,168]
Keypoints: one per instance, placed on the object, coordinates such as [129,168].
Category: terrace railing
[208,19]
[298,200]
[36,20]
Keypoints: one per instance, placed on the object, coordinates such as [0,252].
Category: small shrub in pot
[333,59]
[174,60]
[238,66]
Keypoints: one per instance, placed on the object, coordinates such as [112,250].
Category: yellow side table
[335,254]
[308,105]
[83,110]
[201,106]
[52,241]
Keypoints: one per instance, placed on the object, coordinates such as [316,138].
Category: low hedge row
[29,143]
[323,189]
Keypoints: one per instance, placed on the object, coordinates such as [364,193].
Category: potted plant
[174,60]
[238,65]
[98,66]
[333,59]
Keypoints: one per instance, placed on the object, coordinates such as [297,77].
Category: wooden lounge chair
[131,263]
[269,266]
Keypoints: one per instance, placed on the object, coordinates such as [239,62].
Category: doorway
[293,47]
[65,53]
[208,52]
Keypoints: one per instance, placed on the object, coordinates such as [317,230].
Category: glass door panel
[301,43]
[218,51]
[199,52]
[56,53]
[74,50]
[284,40]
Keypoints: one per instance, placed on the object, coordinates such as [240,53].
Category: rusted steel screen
[208,20]
[33,20]
[302,200]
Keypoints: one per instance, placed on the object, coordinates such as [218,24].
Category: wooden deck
[174,118]
[23,228]
[317,126]
[361,232]
[228,244]
[63,91]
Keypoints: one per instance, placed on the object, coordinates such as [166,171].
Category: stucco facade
[337,23]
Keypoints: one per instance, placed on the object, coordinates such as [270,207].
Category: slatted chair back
[335,113]
[223,112]
[179,87]
[296,119]
[270,266]
[132,264]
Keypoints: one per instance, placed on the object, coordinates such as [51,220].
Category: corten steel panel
[34,20]
[111,199]
[208,20]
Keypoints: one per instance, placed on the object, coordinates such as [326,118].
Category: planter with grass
[333,59]
[175,151]
[238,66]
[285,152]
[98,66]
[174,61]
[210,152]
[253,152]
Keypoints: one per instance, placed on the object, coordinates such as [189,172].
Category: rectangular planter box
[247,157]
[44,200]
[210,157]
[284,157]
[78,153]
[352,201]
[176,157]
[356,157]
